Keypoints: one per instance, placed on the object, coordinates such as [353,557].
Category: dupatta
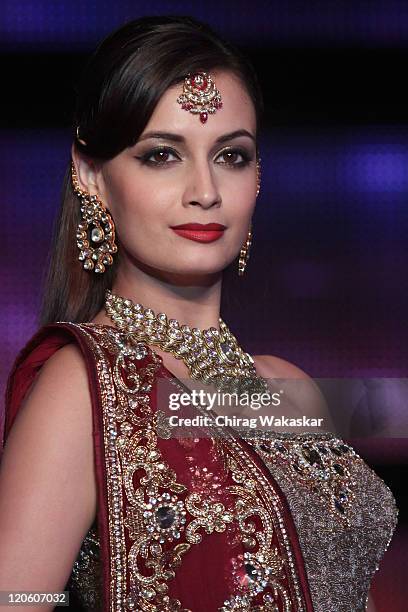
[183,524]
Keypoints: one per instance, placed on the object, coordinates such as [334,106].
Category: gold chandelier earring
[244,252]
[96,231]
[245,249]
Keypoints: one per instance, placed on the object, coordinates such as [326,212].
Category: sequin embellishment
[154,519]
[322,465]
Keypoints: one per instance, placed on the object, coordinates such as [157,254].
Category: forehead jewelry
[200,95]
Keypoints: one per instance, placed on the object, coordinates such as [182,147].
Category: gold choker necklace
[212,356]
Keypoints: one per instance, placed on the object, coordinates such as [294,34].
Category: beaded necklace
[212,356]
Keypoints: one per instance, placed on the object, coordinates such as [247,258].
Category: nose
[201,188]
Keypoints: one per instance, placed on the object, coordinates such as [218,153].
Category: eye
[158,157]
[234,157]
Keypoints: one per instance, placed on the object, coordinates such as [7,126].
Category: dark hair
[117,94]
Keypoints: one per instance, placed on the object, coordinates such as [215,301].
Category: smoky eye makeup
[159,155]
[233,157]
[230,155]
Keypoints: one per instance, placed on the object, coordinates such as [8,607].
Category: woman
[157,204]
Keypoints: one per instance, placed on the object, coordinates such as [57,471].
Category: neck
[193,301]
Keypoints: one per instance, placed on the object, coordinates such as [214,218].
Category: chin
[186,265]
[189,274]
[203,263]
[203,268]
[196,270]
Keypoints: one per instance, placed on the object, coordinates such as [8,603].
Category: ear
[87,171]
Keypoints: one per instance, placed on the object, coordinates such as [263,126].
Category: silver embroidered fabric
[340,559]
[86,576]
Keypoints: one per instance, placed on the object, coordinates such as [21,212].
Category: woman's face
[182,171]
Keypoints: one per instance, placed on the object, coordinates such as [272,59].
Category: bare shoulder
[47,478]
[63,379]
[69,356]
[271,366]
[305,395]
[59,401]
[57,408]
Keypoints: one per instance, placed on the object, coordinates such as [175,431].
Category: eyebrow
[178,138]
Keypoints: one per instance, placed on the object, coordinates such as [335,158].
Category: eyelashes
[163,153]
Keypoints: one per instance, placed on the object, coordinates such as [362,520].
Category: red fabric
[211,559]
[205,577]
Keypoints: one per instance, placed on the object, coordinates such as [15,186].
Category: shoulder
[55,414]
[300,389]
[271,366]
[61,388]
[66,362]
[48,464]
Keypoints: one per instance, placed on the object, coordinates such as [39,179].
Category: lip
[200,232]
[199,235]
[200,226]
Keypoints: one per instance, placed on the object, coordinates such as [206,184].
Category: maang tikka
[245,249]
[200,95]
[96,231]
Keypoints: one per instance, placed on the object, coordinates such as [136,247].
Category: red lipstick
[208,232]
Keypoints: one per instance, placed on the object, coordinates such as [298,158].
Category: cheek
[241,198]
[240,184]
[134,204]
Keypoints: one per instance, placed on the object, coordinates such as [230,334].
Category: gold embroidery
[158,515]
[211,517]
[266,570]
[263,571]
